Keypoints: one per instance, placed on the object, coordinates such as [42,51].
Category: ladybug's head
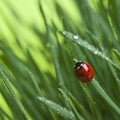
[78,64]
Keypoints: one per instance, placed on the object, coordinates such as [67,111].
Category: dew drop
[64,32]
[76,37]
[89,47]
[96,52]
[107,58]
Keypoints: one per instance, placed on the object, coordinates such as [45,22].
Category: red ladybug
[83,71]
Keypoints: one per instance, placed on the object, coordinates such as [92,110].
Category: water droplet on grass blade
[76,37]
[90,47]
[64,32]
[96,52]
[57,108]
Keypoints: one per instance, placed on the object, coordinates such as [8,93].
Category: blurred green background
[37,80]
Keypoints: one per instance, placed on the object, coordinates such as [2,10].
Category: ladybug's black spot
[88,70]
[78,65]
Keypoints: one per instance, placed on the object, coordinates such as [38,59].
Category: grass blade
[105,96]
[8,85]
[57,108]
[88,46]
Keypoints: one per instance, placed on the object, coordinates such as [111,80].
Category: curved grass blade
[8,85]
[88,46]
[57,108]
[71,104]
[93,106]
[105,96]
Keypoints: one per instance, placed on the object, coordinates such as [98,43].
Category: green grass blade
[8,85]
[88,46]
[80,117]
[57,108]
[105,96]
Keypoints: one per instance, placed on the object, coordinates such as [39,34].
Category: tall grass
[39,40]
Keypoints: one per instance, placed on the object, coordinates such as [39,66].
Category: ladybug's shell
[83,71]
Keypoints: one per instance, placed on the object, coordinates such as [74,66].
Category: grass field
[39,40]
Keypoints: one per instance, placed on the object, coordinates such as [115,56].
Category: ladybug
[83,71]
